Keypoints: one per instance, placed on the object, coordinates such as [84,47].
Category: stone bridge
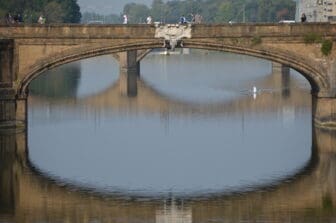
[27,51]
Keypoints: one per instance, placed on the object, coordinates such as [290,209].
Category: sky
[107,7]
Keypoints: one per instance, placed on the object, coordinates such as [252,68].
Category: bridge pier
[13,113]
[324,140]
[6,62]
[129,73]
[282,75]
[324,112]
[128,62]
[12,156]
[12,109]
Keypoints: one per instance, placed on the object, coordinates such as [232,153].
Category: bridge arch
[313,74]
[75,54]
[307,68]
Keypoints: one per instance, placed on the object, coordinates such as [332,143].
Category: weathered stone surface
[13,114]
[173,34]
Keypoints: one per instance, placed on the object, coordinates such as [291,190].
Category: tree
[54,10]
[173,11]
[71,11]
[225,12]
[159,10]
[137,13]
[218,11]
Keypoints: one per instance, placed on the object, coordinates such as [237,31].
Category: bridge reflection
[144,98]
[29,196]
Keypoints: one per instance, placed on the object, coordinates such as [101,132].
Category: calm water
[195,144]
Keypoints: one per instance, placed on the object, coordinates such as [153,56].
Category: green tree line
[55,11]
[218,11]
[212,11]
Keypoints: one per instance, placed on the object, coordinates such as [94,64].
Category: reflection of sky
[188,79]
[139,153]
[168,153]
[93,82]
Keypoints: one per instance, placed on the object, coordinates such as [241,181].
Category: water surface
[195,144]
[194,129]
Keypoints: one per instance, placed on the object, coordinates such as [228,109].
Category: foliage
[256,40]
[310,38]
[137,13]
[326,47]
[212,11]
[327,203]
[219,11]
[54,10]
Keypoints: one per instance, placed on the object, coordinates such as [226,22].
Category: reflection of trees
[61,82]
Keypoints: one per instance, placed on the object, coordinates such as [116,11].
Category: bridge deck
[143,31]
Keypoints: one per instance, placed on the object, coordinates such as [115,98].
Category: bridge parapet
[144,31]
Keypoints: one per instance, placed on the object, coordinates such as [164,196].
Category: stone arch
[309,69]
[313,73]
[75,54]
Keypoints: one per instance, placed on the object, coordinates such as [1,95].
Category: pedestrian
[303,17]
[192,18]
[149,20]
[41,20]
[20,19]
[198,19]
[125,19]
[183,20]
[9,19]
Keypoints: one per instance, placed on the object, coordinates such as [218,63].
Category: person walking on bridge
[125,19]
[303,17]
[9,19]
[183,20]
[41,20]
[149,20]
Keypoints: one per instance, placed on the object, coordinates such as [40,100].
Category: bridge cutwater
[27,51]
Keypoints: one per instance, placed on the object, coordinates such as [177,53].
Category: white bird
[254,90]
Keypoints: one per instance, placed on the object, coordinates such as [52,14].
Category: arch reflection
[28,196]
[147,98]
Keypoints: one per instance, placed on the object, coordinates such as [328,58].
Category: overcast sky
[107,6]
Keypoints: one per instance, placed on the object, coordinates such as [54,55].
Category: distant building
[316,10]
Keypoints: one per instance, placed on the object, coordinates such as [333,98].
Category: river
[207,137]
